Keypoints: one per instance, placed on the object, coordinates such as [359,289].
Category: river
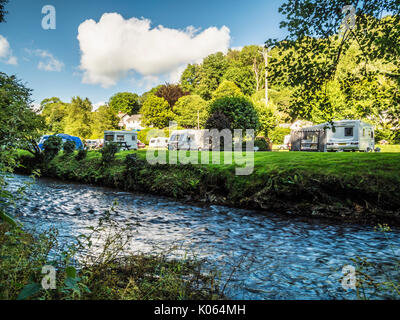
[277,257]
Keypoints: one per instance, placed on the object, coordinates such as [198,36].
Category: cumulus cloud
[48,62]
[114,46]
[6,52]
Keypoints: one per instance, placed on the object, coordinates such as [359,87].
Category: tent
[64,137]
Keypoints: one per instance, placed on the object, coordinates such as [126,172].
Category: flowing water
[274,257]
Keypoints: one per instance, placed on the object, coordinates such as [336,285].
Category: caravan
[189,140]
[125,139]
[345,135]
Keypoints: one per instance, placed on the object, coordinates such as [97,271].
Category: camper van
[126,139]
[159,142]
[345,135]
[189,140]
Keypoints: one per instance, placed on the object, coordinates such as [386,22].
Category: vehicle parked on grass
[189,140]
[125,139]
[339,136]
[65,138]
[93,144]
[159,143]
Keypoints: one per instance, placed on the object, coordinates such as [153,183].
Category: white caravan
[159,142]
[189,140]
[349,135]
[126,139]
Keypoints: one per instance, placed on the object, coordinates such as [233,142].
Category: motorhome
[126,139]
[189,140]
[345,135]
[159,142]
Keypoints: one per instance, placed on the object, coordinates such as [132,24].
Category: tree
[54,112]
[218,121]
[20,126]
[3,12]
[319,37]
[156,112]
[239,111]
[125,102]
[242,77]
[211,72]
[227,89]
[104,118]
[191,111]
[171,93]
[252,57]
[79,120]
[190,78]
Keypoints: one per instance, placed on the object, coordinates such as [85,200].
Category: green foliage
[156,112]
[171,93]
[79,118]
[191,111]
[212,70]
[108,153]
[69,147]
[81,155]
[54,112]
[278,134]
[104,118]
[125,102]
[218,120]
[146,134]
[239,110]
[51,147]
[243,78]
[226,89]
[190,78]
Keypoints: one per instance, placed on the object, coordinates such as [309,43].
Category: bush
[69,147]
[108,153]
[51,147]
[262,144]
[82,153]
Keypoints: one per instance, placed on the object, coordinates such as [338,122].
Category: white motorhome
[159,142]
[126,139]
[189,140]
[349,135]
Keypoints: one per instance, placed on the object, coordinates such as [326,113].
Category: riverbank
[356,187]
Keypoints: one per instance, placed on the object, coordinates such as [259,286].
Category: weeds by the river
[96,266]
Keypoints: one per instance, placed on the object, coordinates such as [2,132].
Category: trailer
[190,140]
[339,136]
[126,139]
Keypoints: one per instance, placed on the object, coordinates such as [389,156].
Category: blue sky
[49,61]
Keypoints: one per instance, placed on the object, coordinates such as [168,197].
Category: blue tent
[64,137]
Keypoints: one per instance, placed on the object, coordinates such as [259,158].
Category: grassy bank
[347,186]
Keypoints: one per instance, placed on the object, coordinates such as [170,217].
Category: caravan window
[109,137]
[372,134]
[120,138]
[133,138]
[348,132]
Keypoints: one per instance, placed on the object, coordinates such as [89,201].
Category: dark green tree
[125,102]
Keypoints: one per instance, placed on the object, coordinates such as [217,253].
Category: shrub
[51,147]
[262,144]
[108,153]
[69,147]
[82,153]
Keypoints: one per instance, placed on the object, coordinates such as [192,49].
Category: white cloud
[98,105]
[49,62]
[6,52]
[113,47]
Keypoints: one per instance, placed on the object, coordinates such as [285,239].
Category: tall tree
[54,112]
[190,78]
[79,120]
[156,112]
[104,118]
[227,89]
[171,93]
[125,102]
[191,111]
